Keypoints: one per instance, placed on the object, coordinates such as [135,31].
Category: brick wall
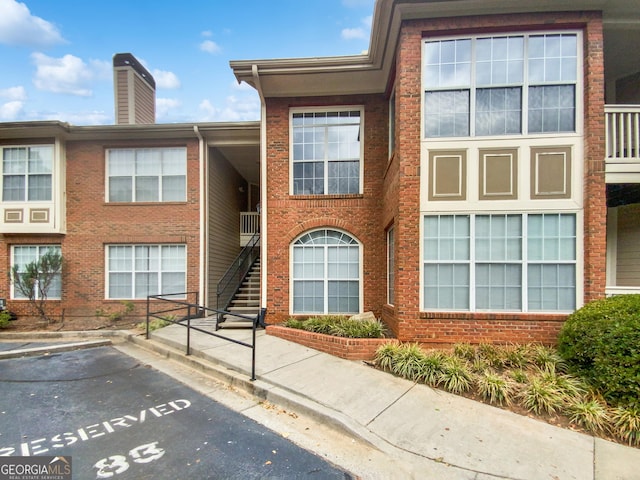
[359,215]
[402,189]
[347,348]
[92,223]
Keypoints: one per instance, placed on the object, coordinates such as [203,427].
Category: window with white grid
[326,273]
[500,85]
[510,262]
[27,173]
[147,174]
[135,271]
[326,152]
[25,254]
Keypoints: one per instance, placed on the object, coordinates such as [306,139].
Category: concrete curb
[48,349]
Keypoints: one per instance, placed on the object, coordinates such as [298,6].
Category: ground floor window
[135,271]
[510,262]
[25,254]
[326,273]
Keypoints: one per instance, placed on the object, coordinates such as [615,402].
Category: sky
[57,56]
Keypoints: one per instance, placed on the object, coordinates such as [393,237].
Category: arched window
[326,273]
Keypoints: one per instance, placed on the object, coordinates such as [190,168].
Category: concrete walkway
[442,435]
[432,433]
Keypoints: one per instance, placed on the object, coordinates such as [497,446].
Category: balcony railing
[249,225]
[622,123]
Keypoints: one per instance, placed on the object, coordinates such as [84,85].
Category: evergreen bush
[601,342]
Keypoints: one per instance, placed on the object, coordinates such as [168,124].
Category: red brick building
[474,177]
[135,209]
[455,180]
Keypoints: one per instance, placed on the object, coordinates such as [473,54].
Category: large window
[500,262]
[502,85]
[135,271]
[25,254]
[326,273]
[27,173]
[147,175]
[326,152]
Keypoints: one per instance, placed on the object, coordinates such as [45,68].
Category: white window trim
[391,272]
[40,246]
[54,168]
[328,108]
[360,272]
[579,263]
[133,187]
[133,245]
[579,85]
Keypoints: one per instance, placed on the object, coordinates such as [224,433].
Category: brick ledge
[347,348]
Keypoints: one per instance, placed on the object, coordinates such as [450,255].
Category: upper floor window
[327,153]
[505,85]
[147,175]
[27,173]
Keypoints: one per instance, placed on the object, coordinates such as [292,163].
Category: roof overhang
[238,142]
[370,73]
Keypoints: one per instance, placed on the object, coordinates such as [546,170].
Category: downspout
[203,277]
[263,189]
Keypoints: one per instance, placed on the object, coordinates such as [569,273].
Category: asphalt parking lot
[120,419]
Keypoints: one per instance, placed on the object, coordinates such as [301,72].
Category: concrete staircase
[246,301]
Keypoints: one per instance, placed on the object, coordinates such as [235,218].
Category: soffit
[238,142]
[370,73]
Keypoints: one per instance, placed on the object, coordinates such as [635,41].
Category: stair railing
[231,281]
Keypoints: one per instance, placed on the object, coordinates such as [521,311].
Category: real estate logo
[35,468]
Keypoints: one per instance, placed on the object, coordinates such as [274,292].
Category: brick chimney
[135,91]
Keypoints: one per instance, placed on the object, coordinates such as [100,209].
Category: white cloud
[206,33]
[68,74]
[83,118]
[14,93]
[358,33]
[353,33]
[19,27]
[165,107]
[210,46]
[164,79]
[11,110]
[236,109]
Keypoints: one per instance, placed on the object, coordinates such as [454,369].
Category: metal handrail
[232,279]
[193,310]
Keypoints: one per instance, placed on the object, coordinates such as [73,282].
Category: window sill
[327,197]
[142,204]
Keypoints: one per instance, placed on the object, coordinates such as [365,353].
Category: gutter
[203,283]
[264,266]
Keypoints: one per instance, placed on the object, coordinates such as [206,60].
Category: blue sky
[57,55]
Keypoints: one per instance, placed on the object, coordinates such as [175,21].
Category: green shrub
[494,389]
[5,318]
[433,366]
[456,377]
[626,424]
[601,342]
[339,326]
[591,414]
[409,361]
[385,355]
[541,396]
